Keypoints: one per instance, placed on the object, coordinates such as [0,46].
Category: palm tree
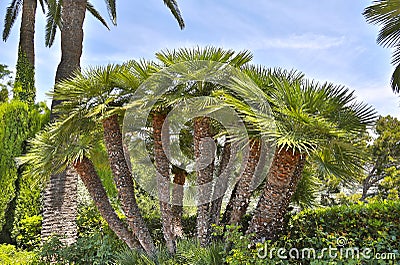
[202,124]
[241,194]
[101,93]
[386,14]
[310,117]
[71,142]
[25,75]
[161,142]
[25,79]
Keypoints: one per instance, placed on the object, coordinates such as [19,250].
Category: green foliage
[24,86]
[384,164]
[19,122]
[5,83]
[373,226]
[9,255]
[5,76]
[27,232]
[188,252]
[96,248]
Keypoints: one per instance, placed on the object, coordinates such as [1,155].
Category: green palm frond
[112,11]
[173,7]
[208,53]
[42,5]
[60,144]
[53,21]
[97,15]
[386,13]
[307,189]
[11,16]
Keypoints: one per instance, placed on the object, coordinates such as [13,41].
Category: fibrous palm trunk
[241,194]
[177,201]
[60,197]
[282,180]
[25,74]
[204,149]
[27,30]
[92,182]
[161,141]
[221,185]
[124,182]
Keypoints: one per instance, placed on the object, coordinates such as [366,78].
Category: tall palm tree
[25,75]
[386,14]
[100,93]
[71,142]
[309,118]
[202,124]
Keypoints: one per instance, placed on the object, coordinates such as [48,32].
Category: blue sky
[326,40]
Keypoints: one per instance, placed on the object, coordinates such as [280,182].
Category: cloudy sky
[327,40]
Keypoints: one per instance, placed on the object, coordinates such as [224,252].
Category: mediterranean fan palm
[310,118]
[99,94]
[202,124]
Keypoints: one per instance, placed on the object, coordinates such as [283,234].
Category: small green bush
[9,255]
[97,248]
[28,232]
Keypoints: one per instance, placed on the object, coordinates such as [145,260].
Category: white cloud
[297,41]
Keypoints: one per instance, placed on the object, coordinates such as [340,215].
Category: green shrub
[28,232]
[9,255]
[96,248]
[188,252]
[346,230]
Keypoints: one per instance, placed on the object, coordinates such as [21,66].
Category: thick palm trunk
[60,197]
[162,165]
[221,185]
[177,201]
[73,16]
[92,182]
[124,182]
[241,195]
[204,155]
[25,75]
[282,180]
[27,30]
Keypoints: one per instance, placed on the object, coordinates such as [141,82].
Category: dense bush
[9,255]
[28,232]
[96,248]
[19,122]
[355,228]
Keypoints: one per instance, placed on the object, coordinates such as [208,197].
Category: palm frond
[96,14]
[11,16]
[395,80]
[385,13]
[173,7]
[112,10]
[53,21]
